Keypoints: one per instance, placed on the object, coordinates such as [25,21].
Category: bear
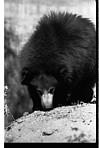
[58,62]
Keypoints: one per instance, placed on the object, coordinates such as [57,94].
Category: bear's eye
[39,92]
[51,90]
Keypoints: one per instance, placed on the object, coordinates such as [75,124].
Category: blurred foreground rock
[70,124]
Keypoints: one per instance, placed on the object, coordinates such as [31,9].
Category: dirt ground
[70,124]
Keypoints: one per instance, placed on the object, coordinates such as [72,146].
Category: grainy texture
[70,124]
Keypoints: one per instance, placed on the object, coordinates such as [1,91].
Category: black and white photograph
[50,71]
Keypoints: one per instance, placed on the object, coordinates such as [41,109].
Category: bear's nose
[47,100]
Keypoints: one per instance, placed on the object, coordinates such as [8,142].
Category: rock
[70,124]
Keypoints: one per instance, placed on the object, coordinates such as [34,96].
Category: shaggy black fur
[63,46]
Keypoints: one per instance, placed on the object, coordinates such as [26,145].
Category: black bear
[58,63]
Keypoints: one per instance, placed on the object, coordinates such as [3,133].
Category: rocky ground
[70,124]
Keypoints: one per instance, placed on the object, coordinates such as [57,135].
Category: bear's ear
[26,76]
